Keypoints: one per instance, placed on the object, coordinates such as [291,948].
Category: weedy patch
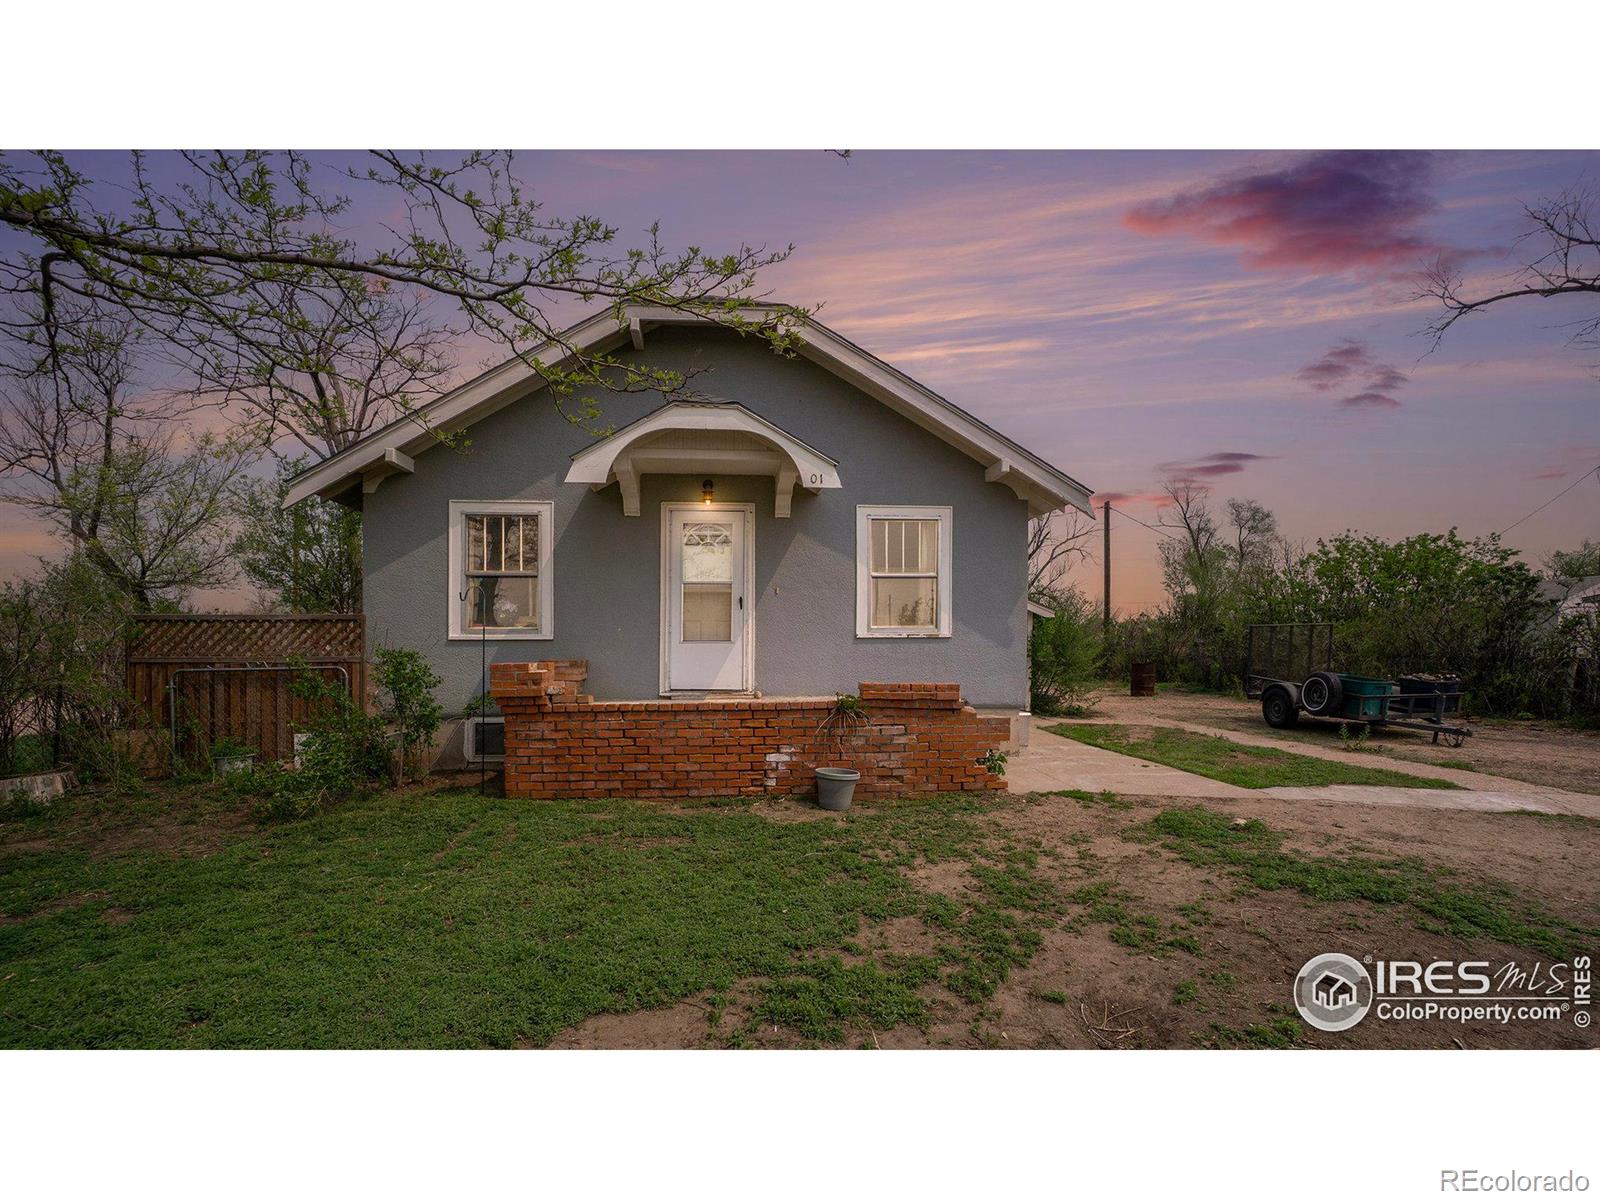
[1254,854]
[1104,905]
[1107,801]
[1280,1033]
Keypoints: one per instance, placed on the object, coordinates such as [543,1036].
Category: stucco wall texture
[607,566]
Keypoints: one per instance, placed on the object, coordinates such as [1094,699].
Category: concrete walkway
[1475,780]
[1051,763]
[1568,803]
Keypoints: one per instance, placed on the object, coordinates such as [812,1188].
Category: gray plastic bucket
[835,787]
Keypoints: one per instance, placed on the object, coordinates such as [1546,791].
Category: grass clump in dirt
[1280,1033]
[1439,900]
[1109,801]
[1231,762]
[1104,905]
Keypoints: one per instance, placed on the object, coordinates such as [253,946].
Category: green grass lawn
[454,920]
[1231,762]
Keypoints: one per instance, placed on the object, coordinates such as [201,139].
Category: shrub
[61,665]
[1064,655]
[346,753]
[406,682]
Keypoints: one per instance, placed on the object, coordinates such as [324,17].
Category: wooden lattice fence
[211,677]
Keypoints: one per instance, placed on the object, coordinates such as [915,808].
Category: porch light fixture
[708,492]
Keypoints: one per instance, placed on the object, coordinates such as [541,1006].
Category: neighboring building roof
[389,450]
[1571,596]
[1036,609]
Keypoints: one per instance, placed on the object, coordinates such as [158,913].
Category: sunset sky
[1244,318]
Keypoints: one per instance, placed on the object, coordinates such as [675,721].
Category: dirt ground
[1084,990]
[1535,751]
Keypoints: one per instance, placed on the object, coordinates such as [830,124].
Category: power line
[1151,528]
[1595,470]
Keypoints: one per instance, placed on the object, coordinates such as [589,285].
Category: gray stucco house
[824,520]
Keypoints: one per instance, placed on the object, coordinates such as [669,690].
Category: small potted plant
[230,755]
[836,786]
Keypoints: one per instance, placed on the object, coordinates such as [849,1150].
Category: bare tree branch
[1564,232]
[1056,542]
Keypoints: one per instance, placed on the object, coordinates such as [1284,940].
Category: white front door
[707,611]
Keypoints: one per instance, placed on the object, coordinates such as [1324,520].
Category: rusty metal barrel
[1144,679]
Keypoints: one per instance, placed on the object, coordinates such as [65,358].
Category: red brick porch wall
[915,737]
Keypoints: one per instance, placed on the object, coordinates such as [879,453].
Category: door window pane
[708,612]
[706,571]
[708,553]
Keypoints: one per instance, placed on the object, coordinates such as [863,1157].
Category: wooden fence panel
[227,674]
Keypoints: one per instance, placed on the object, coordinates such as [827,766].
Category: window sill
[509,635]
[900,633]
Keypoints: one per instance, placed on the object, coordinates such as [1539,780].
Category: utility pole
[1105,523]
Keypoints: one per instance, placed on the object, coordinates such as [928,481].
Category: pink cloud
[1328,211]
[1156,499]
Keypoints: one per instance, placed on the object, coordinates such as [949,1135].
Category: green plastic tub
[1365,699]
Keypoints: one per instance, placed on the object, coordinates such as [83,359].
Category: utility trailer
[1288,667]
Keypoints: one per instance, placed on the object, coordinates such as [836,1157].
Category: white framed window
[903,559]
[502,583]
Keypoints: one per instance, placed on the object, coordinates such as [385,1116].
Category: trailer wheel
[1278,710]
[1322,694]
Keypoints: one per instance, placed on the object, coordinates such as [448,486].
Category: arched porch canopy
[686,437]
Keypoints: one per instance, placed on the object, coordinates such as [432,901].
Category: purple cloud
[1329,211]
[1370,400]
[1336,366]
[1348,361]
[1227,462]
[1385,378]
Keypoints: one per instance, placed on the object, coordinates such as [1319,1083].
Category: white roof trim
[1044,487]
[621,459]
[1038,610]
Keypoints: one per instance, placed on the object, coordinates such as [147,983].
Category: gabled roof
[389,449]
